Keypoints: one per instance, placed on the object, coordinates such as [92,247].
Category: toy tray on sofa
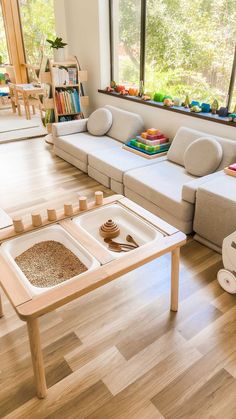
[149,153]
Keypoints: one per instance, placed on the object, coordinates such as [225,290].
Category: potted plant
[58,48]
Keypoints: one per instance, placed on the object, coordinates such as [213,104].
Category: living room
[117,135]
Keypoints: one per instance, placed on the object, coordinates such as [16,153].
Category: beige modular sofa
[161,185]
[102,157]
[215,211]
[166,188]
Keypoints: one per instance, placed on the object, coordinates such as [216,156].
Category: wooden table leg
[37,357]
[175,254]
[1,307]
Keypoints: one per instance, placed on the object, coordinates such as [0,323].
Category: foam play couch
[166,185]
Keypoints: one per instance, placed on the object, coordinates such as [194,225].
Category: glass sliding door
[38,24]
[4,57]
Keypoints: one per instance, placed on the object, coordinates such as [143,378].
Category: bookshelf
[65,100]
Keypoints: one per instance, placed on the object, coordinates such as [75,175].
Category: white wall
[60,18]
[87,26]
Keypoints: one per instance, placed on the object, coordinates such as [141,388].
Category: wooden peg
[52,215]
[98,197]
[83,203]
[36,219]
[18,225]
[68,210]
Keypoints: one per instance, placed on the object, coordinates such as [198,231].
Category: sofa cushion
[190,188]
[202,156]
[162,184]
[67,128]
[99,122]
[79,145]
[114,163]
[215,214]
[186,136]
[125,125]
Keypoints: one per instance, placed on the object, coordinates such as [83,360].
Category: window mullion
[232,82]
[142,40]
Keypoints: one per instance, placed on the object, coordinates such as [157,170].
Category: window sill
[181,109]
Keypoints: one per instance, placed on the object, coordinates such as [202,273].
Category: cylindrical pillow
[203,156]
[99,122]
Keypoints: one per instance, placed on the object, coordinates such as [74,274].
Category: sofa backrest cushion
[99,122]
[125,125]
[203,156]
[186,136]
[69,127]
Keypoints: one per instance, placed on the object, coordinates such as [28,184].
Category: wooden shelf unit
[47,77]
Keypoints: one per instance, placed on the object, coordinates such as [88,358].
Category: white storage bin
[13,248]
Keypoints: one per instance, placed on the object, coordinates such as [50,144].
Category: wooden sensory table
[30,308]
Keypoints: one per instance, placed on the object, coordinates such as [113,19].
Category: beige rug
[14,127]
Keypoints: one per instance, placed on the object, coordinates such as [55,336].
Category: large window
[189,46]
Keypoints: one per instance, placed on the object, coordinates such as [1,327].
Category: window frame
[143,5]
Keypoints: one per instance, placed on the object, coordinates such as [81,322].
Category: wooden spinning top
[109,230]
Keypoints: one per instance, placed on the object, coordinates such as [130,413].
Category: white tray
[129,223]
[13,248]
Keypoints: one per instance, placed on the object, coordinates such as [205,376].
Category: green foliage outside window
[189,46]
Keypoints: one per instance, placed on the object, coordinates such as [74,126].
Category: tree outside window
[189,46]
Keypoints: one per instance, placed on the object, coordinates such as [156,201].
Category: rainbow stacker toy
[151,142]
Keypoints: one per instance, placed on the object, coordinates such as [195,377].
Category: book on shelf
[49,117]
[67,101]
[65,76]
[66,118]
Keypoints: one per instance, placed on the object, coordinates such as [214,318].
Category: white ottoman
[215,212]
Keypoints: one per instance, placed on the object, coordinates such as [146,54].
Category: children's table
[166,239]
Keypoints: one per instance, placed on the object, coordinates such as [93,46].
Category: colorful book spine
[77,100]
[67,101]
[72,73]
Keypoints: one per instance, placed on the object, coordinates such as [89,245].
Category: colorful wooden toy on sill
[177,101]
[109,89]
[194,103]
[214,106]
[168,102]
[206,107]
[133,91]
[223,112]
[196,109]
[158,97]
[146,97]
[186,102]
[124,92]
[232,117]
[119,88]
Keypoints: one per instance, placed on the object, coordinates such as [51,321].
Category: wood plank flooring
[118,352]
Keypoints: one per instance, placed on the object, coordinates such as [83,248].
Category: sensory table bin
[76,229]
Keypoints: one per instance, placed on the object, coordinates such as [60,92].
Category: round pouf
[227,281]
[109,230]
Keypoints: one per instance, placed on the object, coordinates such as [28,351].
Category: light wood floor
[118,352]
